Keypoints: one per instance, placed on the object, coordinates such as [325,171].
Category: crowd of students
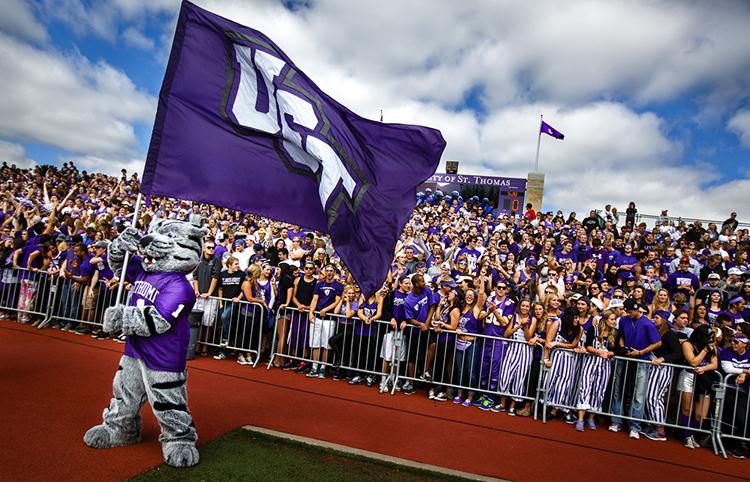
[474,304]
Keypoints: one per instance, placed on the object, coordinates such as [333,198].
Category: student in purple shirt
[326,296]
[638,336]
[76,273]
[418,309]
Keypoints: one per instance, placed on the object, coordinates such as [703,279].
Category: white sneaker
[634,435]
[242,360]
[220,356]
[691,443]
[615,427]
[431,394]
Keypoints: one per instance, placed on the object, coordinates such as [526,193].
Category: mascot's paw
[129,239]
[100,437]
[180,454]
[113,319]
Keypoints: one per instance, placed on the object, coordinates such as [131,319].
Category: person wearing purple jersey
[638,337]
[499,307]
[326,296]
[76,273]
[158,332]
[419,307]
[392,349]
[735,361]
[467,359]
[471,252]
[366,329]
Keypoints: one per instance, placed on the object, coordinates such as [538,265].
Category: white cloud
[135,38]
[69,102]
[590,67]
[14,154]
[18,19]
[740,124]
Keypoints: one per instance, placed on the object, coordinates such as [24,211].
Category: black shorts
[418,342]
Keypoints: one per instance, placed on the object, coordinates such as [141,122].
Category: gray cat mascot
[158,332]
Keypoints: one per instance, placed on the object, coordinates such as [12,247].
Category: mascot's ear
[155,224]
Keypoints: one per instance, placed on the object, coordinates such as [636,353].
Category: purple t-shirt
[638,333]
[173,297]
[416,307]
[327,293]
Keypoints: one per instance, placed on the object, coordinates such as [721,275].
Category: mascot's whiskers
[156,323]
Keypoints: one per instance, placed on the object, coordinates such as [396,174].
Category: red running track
[54,385]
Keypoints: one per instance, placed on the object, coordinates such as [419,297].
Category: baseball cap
[450,283]
[258,246]
[630,304]
[739,336]
[615,303]
[736,299]
[531,262]
[714,276]
[598,303]
[101,244]
[662,314]
[445,265]
[464,278]
[735,271]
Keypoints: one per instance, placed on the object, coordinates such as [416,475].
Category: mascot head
[171,246]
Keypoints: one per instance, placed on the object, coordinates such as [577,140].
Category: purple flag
[240,126]
[551,131]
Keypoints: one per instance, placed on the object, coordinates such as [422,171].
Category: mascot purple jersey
[173,297]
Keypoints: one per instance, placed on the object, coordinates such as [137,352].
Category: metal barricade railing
[733,413]
[234,326]
[26,291]
[76,303]
[631,389]
[348,344]
[473,365]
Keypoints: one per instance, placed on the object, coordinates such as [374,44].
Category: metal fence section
[502,371]
[75,303]
[27,292]
[355,350]
[733,413]
[233,326]
[648,396]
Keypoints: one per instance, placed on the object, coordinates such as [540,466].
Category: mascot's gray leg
[167,393]
[122,420]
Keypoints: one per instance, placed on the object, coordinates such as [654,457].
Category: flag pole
[381,115]
[538,143]
[121,282]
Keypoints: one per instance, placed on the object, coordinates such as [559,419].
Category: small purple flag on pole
[239,125]
[551,131]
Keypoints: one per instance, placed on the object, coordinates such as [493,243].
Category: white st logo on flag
[314,152]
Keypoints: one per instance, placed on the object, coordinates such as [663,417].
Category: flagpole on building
[538,143]
[121,282]
[381,115]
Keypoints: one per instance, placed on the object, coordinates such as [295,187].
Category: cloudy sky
[653,96]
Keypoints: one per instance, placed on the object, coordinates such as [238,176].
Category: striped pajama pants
[561,378]
[659,380]
[592,387]
[515,369]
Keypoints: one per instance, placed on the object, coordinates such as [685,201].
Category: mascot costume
[158,332]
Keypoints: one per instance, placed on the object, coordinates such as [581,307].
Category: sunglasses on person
[309,268]
[618,297]
[501,287]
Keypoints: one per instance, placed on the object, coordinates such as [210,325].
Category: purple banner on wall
[505,183]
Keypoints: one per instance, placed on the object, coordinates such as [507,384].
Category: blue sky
[652,96]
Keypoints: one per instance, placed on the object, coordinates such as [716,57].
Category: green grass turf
[245,455]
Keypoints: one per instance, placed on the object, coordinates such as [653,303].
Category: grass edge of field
[164,472]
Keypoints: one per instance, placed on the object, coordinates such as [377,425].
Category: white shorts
[322,331]
[393,347]
[686,381]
